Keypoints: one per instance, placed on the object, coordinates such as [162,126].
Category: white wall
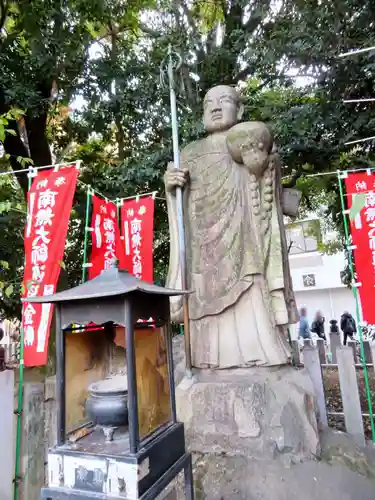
[326,268]
[343,300]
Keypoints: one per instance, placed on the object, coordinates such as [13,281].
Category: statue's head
[222,108]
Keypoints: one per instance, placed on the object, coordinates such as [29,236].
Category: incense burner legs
[108,432]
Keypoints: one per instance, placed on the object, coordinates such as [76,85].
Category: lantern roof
[110,283]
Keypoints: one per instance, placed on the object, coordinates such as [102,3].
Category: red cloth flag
[106,242]
[49,204]
[360,189]
[137,216]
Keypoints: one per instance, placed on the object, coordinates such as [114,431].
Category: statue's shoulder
[194,149]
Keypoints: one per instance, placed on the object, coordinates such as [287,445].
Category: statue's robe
[241,289]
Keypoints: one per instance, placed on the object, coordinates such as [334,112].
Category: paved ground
[223,478]
[345,472]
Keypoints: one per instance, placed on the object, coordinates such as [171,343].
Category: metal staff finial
[169,66]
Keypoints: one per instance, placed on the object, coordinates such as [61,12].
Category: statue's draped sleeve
[277,259]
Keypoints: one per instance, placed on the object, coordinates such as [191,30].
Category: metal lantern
[124,462]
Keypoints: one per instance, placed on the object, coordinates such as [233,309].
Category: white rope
[65,164]
[119,201]
[334,172]
[153,193]
[137,196]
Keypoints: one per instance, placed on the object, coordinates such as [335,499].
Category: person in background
[318,325]
[304,329]
[348,326]
[334,328]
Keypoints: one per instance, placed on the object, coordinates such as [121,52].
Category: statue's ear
[240,111]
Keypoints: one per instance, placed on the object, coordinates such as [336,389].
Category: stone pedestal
[33,444]
[257,412]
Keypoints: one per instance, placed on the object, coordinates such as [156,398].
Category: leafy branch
[7,206]
[12,114]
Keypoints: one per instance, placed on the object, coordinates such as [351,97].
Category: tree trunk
[36,125]
[38,143]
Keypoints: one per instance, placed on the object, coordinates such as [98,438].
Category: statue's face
[221,109]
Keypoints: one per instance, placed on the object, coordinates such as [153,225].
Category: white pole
[179,203]
[358,100]
[360,140]
[356,51]
[331,304]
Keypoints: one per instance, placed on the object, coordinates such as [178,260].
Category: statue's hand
[177,312]
[176,178]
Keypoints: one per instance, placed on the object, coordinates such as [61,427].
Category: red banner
[106,243]
[137,216]
[361,200]
[49,204]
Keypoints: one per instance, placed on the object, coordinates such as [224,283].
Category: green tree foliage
[12,220]
[106,55]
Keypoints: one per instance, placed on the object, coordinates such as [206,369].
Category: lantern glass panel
[86,362]
[153,387]
[152,374]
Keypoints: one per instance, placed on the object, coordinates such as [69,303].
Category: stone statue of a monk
[236,255]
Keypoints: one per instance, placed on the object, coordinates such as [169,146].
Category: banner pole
[86,235]
[17,467]
[357,304]
[17,477]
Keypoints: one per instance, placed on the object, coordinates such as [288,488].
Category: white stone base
[113,474]
[255,412]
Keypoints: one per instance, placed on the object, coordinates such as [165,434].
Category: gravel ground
[334,402]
